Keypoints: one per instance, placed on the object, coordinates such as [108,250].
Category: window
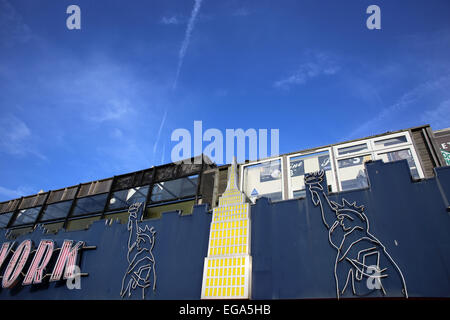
[392,147]
[4,219]
[299,165]
[124,198]
[391,141]
[91,204]
[400,155]
[174,189]
[352,149]
[56,210]
[263,179]
[352,173]
[26,216]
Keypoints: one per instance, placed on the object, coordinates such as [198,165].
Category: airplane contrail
[187,38]
[158,136]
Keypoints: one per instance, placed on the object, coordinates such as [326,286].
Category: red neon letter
[4,251]
[16,264]
[67,258]
[37,267]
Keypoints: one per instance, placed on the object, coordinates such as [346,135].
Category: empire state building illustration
[227,268]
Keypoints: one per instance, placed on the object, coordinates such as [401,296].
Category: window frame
[72,212]
[351,144]
[108,210]
[375,151]
[338,173]
[403,147]
[376,148]
[151,186]
[241,174]
[9,220]
[41,216]
[333,169]
[13,219]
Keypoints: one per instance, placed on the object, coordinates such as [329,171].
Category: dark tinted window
[26,216]
[174,189]
[56,210]
[124,198]
[4,219]
[90,204]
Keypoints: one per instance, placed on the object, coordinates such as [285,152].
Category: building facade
[367,217]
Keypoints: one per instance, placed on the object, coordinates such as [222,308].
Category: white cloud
[16,138]
[16,193]
[172,20]
[117,133]
[12,27]
[115,109]
[94,108]
[428,88]
[318,65]
[439,117]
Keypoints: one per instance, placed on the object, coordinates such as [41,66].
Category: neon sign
[37,270]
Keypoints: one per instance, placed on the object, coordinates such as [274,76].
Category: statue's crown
[351,206]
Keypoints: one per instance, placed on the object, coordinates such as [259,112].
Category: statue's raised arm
[316,184]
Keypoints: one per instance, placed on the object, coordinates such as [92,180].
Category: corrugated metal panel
[84,189]
[62,194]
[96,187]
[423,152]
[55,195]
[69,193]
[29,202]
[102,186]
[9,205]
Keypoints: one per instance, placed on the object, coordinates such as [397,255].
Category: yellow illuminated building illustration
[227,268]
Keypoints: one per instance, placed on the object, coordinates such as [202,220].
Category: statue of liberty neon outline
[141,262]
[349,233]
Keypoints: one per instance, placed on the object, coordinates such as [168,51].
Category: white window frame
[351,144]
[375,151]
[241,173]
[400,147]
[339,182]
[333,169]
[395,135]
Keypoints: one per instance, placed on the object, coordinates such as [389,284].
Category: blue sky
[81,105]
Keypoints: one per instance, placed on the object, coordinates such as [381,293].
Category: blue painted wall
[180,248]
[291,255]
